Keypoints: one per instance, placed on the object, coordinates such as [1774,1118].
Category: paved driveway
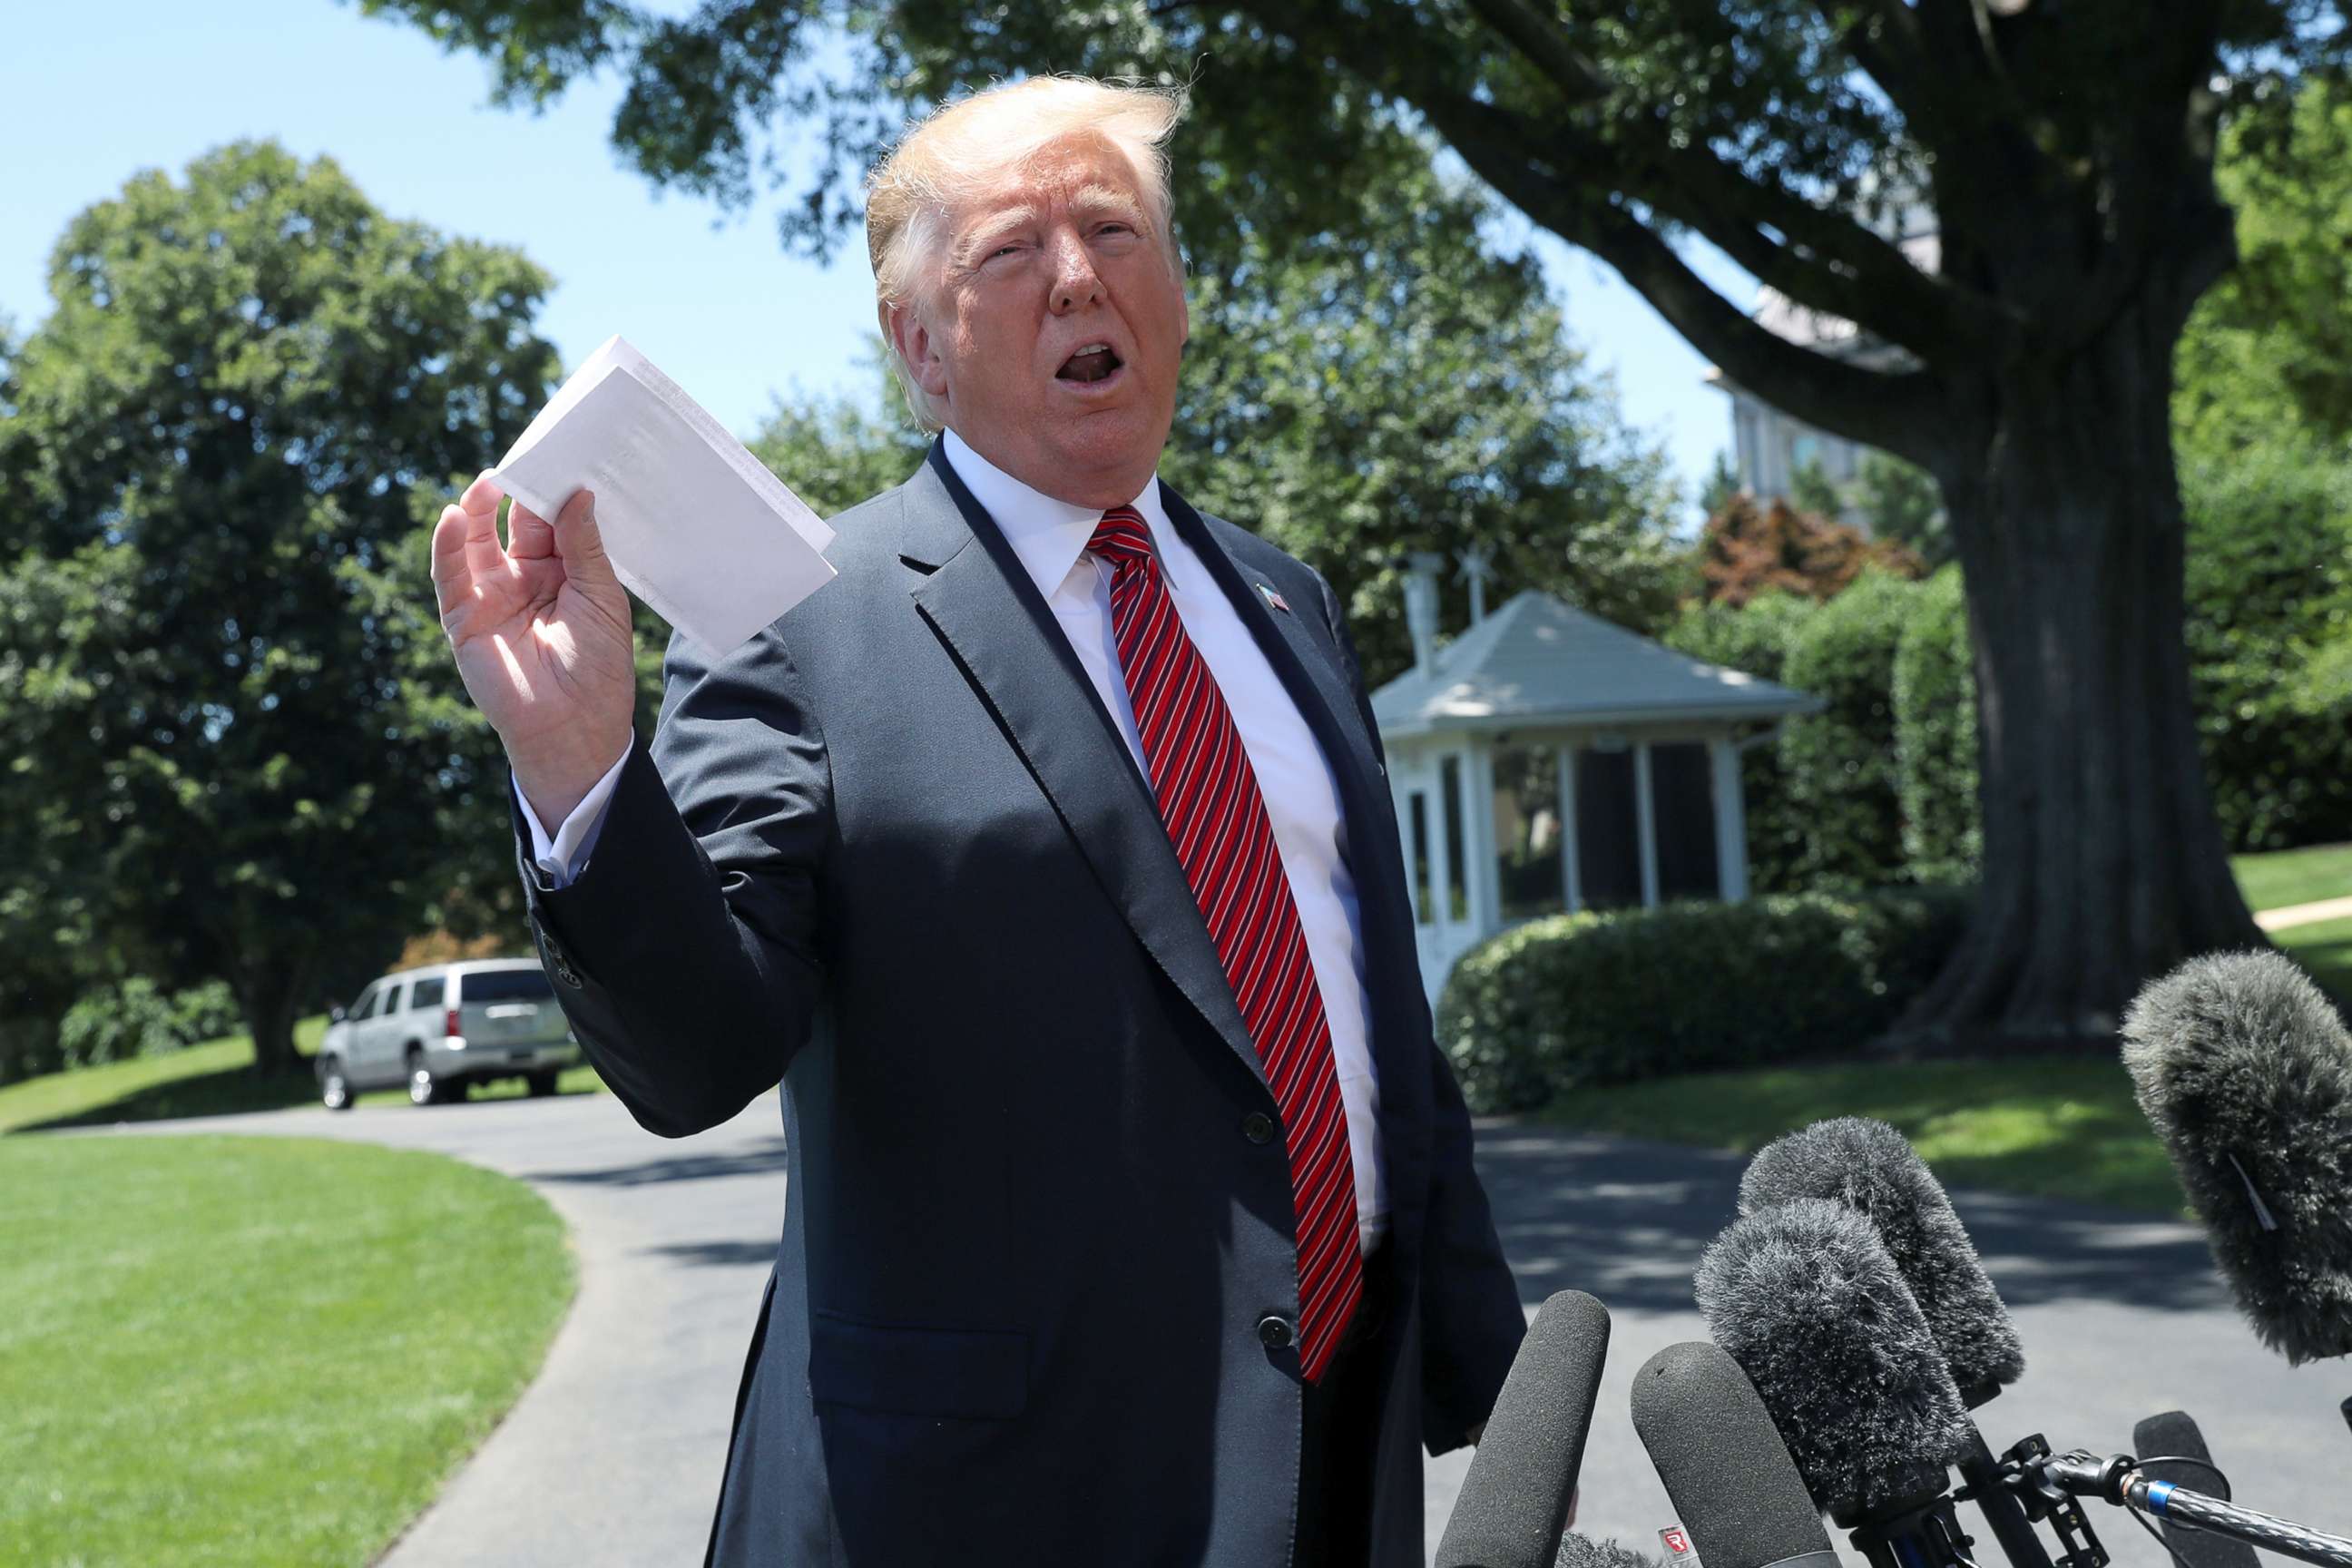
[612,1457]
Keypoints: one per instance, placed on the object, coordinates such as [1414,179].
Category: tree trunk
[269,988]
[2103,865]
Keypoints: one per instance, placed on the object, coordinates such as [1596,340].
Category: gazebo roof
[1537,661]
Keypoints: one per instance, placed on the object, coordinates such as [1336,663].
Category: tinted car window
[364,1005]
[505,986]
[427,993]
[390,1002]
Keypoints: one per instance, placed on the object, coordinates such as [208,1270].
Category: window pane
[1419,813]
[428,994]
[1608,847]
[1527,868]
[1457,894]
[1682,813]
[505,986]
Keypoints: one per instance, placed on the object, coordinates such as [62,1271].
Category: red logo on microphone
[1678,1545]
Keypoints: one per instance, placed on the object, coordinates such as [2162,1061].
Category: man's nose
[1075,282]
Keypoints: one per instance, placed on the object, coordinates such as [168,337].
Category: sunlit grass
[2287,876]
[254,1351]
[2065,1128]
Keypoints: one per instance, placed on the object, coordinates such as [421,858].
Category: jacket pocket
[976,1374]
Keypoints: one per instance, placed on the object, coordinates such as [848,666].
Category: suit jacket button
[1259,1127]
[1273,1332]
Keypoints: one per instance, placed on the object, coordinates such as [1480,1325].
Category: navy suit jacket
[893,852]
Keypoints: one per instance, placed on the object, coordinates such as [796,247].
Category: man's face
[1048,337]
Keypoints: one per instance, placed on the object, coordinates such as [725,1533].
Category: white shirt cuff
[562,860]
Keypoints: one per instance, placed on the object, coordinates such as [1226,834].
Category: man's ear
[918,348]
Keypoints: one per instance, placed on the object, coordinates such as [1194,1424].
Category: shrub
[2269,617]
[116,1022]
[1586,999]
[205,1012]
[1755,639]
[1936,736]
[1840,762]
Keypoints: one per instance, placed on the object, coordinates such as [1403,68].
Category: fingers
[453,581]
[578,540]
[479,506]
[528,537]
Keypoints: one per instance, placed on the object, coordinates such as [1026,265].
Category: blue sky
[99,91]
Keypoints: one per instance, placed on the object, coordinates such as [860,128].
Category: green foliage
[1584,999]
[1935,694]
[225,683]
[133,1017]
[1900,502]
[2270,348]
[2269,623]
[1755,639]
[1721,484]
[1840,762]
[1811,490]
[835,452]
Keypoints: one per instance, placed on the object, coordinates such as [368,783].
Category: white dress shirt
[1302,797]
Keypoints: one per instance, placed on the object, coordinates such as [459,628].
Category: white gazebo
[1550,761]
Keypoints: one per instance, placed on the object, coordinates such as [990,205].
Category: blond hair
[960,149]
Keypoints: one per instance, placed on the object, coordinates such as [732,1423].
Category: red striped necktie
[1209,798]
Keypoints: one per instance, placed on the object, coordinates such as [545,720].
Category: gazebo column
[1646,825]
[1730,820]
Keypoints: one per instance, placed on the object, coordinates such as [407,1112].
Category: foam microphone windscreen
[1871,1168]
[1578,1551]
[1716,1451]
[2245,1071]
[2173,1432]
[1807,1301]
[1514,1500]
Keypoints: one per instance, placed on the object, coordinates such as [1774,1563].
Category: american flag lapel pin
[1273,598]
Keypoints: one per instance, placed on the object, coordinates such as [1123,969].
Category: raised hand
[541,631]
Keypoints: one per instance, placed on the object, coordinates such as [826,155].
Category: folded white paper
[696,526]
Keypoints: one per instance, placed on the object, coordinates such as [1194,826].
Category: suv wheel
[334,1089]
[425,1088]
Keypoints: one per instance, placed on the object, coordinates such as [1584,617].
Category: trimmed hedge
[1936,736]
[1589,998]
[1840,762]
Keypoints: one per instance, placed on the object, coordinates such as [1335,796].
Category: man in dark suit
[1046,857]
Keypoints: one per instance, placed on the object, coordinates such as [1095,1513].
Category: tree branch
[1891,410]
[1547,44]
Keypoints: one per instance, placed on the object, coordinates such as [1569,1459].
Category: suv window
[427,993]
[390,1002]
[505,986]
[363,1006]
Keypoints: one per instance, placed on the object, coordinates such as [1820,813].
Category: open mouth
[1092,362]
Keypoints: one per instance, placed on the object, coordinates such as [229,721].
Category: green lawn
[210,1080]
[2294,875]
[2323,947]
[254,1351]
[2058,1128]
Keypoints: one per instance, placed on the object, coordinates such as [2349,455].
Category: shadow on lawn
[1627,1222]
[224,1092]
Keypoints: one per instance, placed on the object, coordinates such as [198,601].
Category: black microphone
[1807,1301]
[2245,1071]
[1871,1168]
[2174,1435]
[1724,1463]
[1514,1501]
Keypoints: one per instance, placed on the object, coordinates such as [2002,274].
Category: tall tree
[2062,153]
[223,683]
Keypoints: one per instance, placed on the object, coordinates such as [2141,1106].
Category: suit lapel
[981,603]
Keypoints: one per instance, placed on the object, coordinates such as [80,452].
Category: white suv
[445,1027]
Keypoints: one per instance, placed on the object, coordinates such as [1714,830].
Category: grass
[211,1079]
[2064,1129]
[2275,881]
[2325,948]
[256,1351]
